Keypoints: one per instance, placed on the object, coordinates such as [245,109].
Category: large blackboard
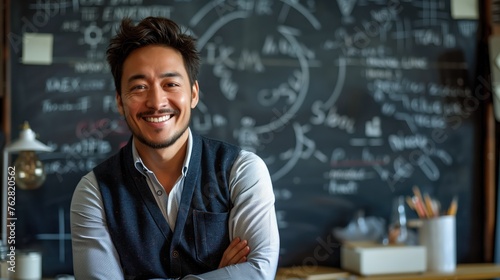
[350,103]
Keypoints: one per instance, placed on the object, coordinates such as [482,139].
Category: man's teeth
[156,120]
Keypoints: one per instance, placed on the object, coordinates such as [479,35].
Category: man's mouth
[158,119]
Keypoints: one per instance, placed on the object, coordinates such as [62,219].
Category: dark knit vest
[146,246]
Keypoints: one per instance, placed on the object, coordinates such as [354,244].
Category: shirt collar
[139,165]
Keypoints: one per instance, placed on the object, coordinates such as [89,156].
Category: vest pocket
[211,235]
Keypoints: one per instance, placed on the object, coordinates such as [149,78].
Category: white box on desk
[368,258]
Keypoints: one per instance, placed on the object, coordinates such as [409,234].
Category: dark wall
[350,103]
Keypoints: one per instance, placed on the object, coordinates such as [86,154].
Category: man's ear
[119,103]
[195,97]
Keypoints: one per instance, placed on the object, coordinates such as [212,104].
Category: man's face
[156,98]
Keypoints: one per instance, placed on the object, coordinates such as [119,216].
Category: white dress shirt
[252,218]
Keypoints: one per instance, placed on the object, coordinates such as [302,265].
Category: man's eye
[172,85]
[138,87]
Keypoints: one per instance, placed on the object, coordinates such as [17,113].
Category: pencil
[419,207]
[436,206]
[420,200]
[428,205]
[452,210]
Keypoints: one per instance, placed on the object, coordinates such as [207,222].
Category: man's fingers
[240,250]
[236,252]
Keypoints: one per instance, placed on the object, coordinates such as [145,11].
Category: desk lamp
[28,173]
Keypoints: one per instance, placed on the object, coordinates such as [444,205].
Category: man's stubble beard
[167,143]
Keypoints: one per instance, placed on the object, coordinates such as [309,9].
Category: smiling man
[171,204]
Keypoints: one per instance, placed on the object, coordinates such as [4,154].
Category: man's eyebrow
[174,74]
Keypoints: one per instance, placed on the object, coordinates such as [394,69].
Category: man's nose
[157,98]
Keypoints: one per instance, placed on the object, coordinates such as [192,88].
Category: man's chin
[164,143]
[155,145]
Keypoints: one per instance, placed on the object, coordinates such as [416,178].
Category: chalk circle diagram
[260,80]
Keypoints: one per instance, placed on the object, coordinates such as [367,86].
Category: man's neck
[166,163]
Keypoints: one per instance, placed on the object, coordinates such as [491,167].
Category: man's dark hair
[151,31]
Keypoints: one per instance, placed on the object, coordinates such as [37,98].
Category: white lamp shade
[27,142]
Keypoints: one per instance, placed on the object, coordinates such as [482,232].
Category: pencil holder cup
[438,235]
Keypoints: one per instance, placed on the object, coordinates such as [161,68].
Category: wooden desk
[464,271]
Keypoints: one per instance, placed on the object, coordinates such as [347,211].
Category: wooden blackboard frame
[491,29]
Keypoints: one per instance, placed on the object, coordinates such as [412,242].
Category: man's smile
[158,119]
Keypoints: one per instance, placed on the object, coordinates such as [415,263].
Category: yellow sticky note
[37,48]
[464,9]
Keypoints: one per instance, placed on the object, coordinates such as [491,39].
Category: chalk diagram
[266,109]
[95,37]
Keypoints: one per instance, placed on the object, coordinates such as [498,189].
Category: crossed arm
[252,254]
[253,219]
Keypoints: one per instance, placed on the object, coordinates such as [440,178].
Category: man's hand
[236,252]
